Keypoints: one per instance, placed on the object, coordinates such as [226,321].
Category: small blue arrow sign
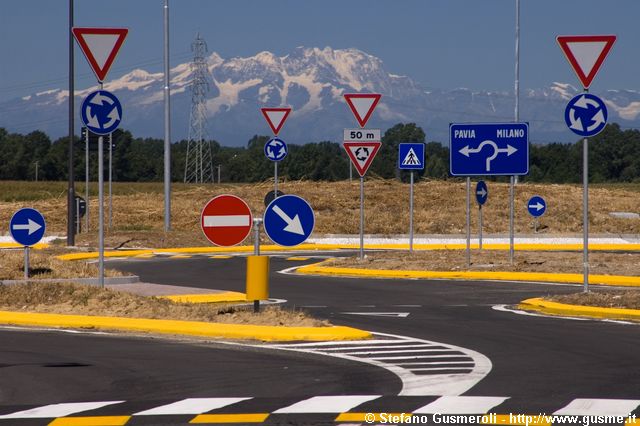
[586,115]
[289,220]
[411,156]
[536,206]
[482,192]
[275,149]
[101,112]
[27,226]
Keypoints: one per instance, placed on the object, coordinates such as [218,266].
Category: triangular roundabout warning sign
[276,117]
[100,46]
[586,54]
[362,154]
[362,105]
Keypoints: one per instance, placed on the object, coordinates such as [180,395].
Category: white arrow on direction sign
[482,192]
[293,225]
[114,117]
[92,120]
[509,150]
[98,99]
[538,206]
[380,314]
[30,226]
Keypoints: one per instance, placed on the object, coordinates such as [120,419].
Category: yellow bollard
[257,279]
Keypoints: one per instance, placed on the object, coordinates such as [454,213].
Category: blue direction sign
[586,115]
[101,112]
[288,220]
[536,206]
[275,149]
[487,149]
[27,226]
[411,156]
[482,192]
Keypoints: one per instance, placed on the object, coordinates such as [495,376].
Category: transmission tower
[199,162]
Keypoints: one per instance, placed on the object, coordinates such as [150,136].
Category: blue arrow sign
[275,149]
[411,156]
[482,192]
[101,112]
[288,220]
[27,226]
[488,149]
[536,206]
[586,115]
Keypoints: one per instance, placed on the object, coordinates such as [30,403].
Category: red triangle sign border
[80,32]
[374,144]
[276,127]
[362,121]
[586,78]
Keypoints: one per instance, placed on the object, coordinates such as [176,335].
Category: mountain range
[312,82]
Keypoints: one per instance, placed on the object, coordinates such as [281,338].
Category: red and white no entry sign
[226,220]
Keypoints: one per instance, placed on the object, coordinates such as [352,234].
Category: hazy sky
[438,43]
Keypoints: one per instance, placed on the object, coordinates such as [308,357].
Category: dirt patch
[95,301]
[622,299]
[485,260]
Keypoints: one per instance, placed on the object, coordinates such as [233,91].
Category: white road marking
[398,351]
[58,410]
[506,308]
[380,314]
[381,347]
[190,406]
[599,407]
[327,404]
[461,405]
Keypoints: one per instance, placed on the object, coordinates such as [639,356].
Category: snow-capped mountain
[311,81]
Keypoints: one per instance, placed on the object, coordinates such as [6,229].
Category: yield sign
[276,117]
[586,54]
[362,105]
[100,46]
[362,154]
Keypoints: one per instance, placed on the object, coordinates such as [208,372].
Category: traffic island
[579,307]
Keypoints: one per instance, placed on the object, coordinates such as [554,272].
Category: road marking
[230,418]
[298,258]
[398,351]
[327,404]
[422,345]
[380,314]
[191,406]
[91,421]
[461,405]
[370,417]
[229,220]
[58,410]
[220,256]
[599,407]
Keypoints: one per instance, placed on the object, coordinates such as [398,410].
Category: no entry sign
[226,220]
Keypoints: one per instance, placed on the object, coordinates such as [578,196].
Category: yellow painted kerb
[555,308]
[227,296]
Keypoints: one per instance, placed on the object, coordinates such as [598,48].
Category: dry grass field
[439,208]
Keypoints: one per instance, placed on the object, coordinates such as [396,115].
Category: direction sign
[100,46]
[536,206]
[289,220]
[81,205]
[276,117]
[27,226]
[362,105]
[101,112]
[226,220]
[586,115]
[362,154]
[411,156]
[487,149]
[275,149]
[272,195]
[482,192]
[586,54]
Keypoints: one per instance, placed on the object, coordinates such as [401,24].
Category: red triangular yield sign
[362,105]
[586,54]
[362,154]
[100,46]
[276,117]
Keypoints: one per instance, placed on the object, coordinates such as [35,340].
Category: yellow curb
[94,255]
[230,418]
[555,308]
[613,280]
[227,296]
[191,328]
[38,246]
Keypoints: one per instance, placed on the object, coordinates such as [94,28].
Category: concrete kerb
[561,309]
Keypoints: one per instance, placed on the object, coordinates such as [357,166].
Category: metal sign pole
[468,251]
[350,172]
[26,262]
[361,217]
[411,214]
[86,177]
[110,180]
[480,226]
[511,208]
[256,252]
[101,211]
[275,179]
[77,215]
[585,213]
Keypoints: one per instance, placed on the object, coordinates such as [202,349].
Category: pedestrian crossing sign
[411,156]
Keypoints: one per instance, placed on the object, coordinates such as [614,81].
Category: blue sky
[438,43]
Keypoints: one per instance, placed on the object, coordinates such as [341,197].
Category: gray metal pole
[256,236]
[167,124]
[468,251]
[411,214]
[275,180]
[110,180]
[77,200]
[361,217]
[511,209]
[86,179]
[480,226]
[71,190]
[517,70]
[585,213]
[218,173]
[101,211]
[26,262]
[350,171]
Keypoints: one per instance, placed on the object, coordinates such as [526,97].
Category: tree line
[614,156]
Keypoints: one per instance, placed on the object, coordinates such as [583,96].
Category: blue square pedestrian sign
[411,156]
